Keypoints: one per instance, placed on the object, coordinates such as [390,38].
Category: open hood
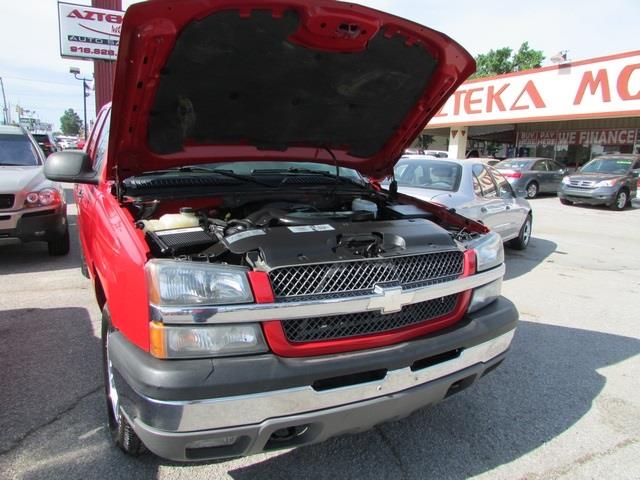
[202,81]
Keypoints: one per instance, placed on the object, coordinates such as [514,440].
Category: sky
[36,78]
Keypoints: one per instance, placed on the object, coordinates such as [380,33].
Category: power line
[37,81]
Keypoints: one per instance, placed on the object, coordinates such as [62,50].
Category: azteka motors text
[489,99]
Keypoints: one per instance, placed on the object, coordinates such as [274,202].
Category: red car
[257,292]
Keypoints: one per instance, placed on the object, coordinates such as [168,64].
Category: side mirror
[564,171]
[73,166]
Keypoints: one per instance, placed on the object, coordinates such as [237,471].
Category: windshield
[517,164]
[608,165]
[432,174]
[253,168]
[17,150]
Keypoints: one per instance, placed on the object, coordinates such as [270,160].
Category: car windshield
[517,164]
[607,165]
[17,150]
[432,174]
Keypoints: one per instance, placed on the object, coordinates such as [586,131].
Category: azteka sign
[596,88]
[88,32]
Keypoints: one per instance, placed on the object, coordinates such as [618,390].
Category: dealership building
[571,112]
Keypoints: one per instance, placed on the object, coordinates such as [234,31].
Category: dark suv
[46,142]
[610,180]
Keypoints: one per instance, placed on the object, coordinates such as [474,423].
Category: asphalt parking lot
[565,404]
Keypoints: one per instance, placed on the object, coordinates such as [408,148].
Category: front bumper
[595,196]
[181,409]
[28,225]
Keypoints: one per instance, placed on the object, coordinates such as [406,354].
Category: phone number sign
[89,33]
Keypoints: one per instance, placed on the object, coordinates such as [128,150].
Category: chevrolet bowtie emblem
[389,299]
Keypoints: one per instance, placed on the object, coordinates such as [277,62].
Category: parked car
[489,161]
[256,293]
[32,208]
[534,175]
[46,142]
[610,180]
[66,142]
[473,189]
[437,153]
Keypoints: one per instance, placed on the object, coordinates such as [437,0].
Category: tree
[504,60]
[70,122]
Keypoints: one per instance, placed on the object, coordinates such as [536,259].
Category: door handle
[79,193]
[483,210]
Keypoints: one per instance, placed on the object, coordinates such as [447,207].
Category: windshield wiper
[221,172]
[307,171]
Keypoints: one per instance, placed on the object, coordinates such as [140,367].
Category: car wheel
[121,431]
[622,198]
[59,246]
[532,190]
[564,201]
[84,269]
[522,240]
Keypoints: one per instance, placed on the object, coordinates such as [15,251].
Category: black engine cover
[330,242]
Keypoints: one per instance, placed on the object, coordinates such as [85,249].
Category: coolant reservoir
[185,219]
[361,205]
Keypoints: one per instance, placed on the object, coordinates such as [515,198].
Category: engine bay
[284,231]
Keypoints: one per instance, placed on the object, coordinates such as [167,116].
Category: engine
[284,233]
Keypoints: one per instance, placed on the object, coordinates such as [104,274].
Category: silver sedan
[473,189]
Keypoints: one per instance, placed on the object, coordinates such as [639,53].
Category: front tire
[59,246]
[122,433]
[622,198]
[532,190]
[522,240]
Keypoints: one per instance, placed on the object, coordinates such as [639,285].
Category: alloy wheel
[621,201]
[526,232]
[112,392]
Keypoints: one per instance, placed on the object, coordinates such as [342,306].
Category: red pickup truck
[258,291]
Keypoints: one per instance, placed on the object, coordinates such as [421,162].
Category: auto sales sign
[89,33]
[595,88]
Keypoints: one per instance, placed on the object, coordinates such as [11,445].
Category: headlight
[174,283]
[607,183]
[483,296]
[205,341]
[566,180]
[43,198]
[489,251]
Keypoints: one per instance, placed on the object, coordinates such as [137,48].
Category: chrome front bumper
[250,424]
[227,412]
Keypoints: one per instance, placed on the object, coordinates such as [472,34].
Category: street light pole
[76,73]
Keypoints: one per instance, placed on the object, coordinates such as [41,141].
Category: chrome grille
[330,280]
[587,184]
[6,200]
[366,323]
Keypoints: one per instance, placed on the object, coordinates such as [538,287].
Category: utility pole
[5,112]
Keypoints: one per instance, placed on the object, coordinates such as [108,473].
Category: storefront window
[575,148]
